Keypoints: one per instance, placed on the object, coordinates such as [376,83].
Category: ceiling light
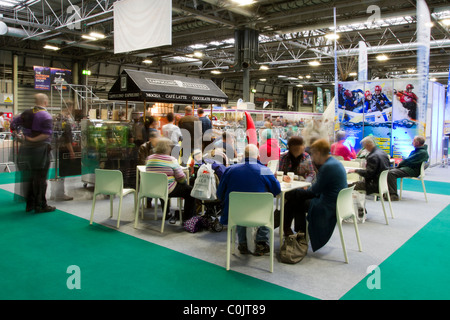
[216,72]
[97,35]
[331,36]
[433,79]
[299,85]
[446,22]
[314,63]
[382,57]
[281,76]
[85,36]
[411,70]
[308,76]
[352,74]
[243,2]
[49,47]
[263,67]
[148,61]
[262,79]
[198,54]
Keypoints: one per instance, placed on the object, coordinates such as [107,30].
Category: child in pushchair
[211,209]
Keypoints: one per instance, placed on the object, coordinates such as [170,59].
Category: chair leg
[111,199]
[401,188]
[390,205]
[164,214]
[271,249]
[357,233]
[136,215]
[384,209]
[229,247]
[156,208]
[120,212]
[342,240]
[92,210]
[424,190]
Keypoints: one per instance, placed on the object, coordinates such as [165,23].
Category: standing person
[63,123]
[250,176]
[319,200]
[191,130]
[409,167]
[376,162]
[206,128]
[2,122]
[34,153]
[172,132]
[269,148]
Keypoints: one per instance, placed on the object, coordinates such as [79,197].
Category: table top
[294,185]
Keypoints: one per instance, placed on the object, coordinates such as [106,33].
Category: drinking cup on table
[291,176]
[280,176]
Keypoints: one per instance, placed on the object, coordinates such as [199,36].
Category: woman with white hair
[161,161]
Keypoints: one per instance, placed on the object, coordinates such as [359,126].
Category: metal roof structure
[291,34]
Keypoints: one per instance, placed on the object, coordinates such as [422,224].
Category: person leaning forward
[319,200]
[36,125]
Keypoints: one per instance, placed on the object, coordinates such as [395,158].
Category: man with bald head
[250,176]
[34,129]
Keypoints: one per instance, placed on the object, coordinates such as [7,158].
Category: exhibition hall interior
[233,150]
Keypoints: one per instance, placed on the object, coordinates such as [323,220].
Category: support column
[15,72]
[246,85]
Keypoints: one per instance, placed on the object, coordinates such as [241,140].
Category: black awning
[135,85]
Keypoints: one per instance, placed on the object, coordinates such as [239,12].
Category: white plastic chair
[345,210]
[273,165]
[421,177]
[383,189]
[153,185]
[110,182]
[250,209]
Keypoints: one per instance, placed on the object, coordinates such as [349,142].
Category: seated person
[146,149]
[319,200]
[268,147]
[161,161]
[297,160]
[409,167]
[227,145]
[376,162]
[340,148]
[250,176]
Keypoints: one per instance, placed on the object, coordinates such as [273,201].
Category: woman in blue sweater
[320,199]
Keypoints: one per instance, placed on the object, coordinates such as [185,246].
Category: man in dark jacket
[409,167]
[376,162]
[191,130]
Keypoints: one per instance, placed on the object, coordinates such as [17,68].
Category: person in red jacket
[269,148]
[340,149]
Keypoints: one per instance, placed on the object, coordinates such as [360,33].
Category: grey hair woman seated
[161,161]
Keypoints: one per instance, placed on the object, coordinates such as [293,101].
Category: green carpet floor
[418,270]
[37,249]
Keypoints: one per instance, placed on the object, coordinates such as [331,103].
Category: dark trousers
[34,166]
[183,190]
[295,208]
[392,177]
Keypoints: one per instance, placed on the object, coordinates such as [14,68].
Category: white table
[286,187]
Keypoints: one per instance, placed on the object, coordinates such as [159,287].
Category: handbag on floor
[294,248]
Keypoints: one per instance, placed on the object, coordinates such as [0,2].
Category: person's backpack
[205,183]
